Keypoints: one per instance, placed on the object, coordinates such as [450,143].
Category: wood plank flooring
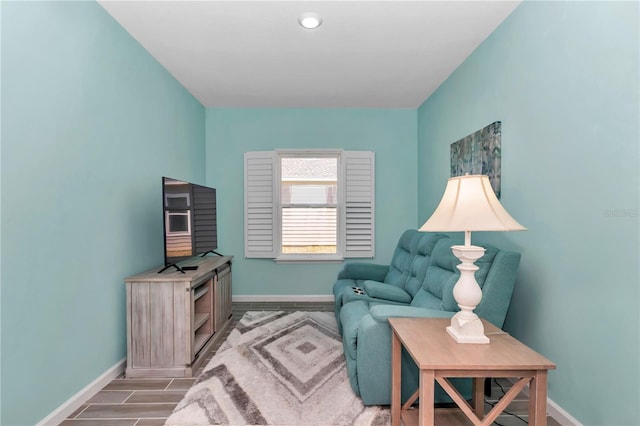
[149,402]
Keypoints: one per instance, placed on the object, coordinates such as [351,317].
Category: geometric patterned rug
[277,368]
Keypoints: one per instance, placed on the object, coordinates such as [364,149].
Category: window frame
[309,257]
[170,213]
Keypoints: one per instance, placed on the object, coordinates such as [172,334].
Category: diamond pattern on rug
[255,319]
[241,401]
[306,347]
[301,371]
[277,368]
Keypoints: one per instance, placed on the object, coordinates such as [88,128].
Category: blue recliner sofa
[418,282]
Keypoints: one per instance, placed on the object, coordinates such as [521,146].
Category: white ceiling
[366,54]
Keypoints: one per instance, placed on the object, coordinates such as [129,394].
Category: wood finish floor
[149,402]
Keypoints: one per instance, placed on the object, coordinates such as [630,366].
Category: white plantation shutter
[357,186]
[260,232]
[359,192]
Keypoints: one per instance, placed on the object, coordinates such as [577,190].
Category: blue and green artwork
[479,154]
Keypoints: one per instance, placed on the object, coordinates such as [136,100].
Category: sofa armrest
[384,291]
[373,360]
[349,295]
[382,313]
[373,356]
[363,271]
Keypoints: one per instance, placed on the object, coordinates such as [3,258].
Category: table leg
[395,379]
[478,396]
[538,399]
[427,412]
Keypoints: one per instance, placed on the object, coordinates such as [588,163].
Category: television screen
[190,225]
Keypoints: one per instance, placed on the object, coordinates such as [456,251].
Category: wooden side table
[439,357]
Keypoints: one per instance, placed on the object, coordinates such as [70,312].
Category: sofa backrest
[496,276]
[498,287]
[421,262]
[402,257]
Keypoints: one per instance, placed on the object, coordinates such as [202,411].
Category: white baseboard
[58,415]
[284,298]
[558,413]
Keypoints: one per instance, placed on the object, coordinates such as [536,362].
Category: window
[177,200]
[178,223]
[309,205]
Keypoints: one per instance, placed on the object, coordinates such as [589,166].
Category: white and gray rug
[277,368]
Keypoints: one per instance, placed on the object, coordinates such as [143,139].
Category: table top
[431,347]
[205,266]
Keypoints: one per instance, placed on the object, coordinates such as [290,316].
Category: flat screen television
[189,222]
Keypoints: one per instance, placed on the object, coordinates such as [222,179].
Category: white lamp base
[467,330]
[465,326]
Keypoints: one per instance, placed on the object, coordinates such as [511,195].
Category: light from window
[309,203]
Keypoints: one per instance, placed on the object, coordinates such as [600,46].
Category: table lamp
[469,204]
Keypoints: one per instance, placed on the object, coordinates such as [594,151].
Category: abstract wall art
[479,154]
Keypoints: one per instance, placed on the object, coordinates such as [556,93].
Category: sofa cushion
[438,284]
[484,264]
[402,257]
[386,292]
[424,299]
[443,273]
[421,261]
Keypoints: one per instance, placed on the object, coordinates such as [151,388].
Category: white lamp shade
[469,204]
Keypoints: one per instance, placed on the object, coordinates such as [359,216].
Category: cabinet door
[152,324]
[223,308]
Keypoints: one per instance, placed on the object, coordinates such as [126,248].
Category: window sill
[309,259]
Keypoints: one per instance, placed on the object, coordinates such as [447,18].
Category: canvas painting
[479,154]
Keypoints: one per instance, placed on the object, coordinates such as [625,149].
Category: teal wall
[232,132]
[563,79]
[90,122]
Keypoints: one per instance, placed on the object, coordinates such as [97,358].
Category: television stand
[210,251]
[175,320]
[172,265]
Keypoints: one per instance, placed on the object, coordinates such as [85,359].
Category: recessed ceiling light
[310,20]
